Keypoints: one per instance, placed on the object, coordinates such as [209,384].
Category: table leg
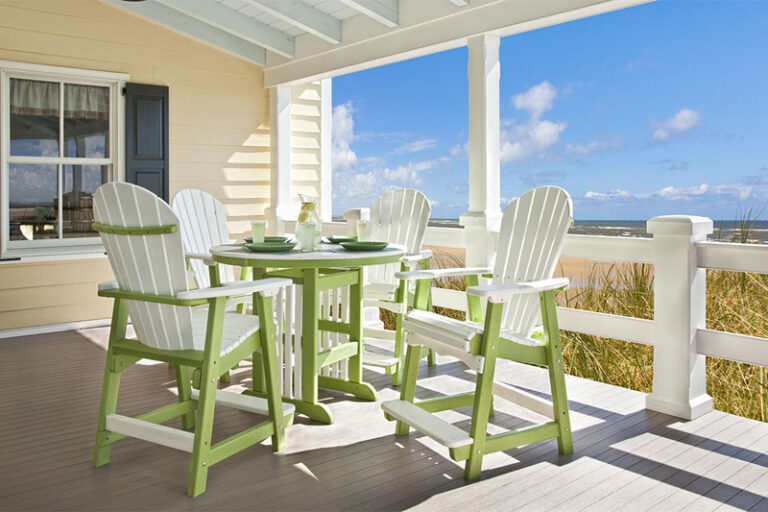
[309,336]
[356,386]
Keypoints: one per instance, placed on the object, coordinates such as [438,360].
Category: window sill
[52,254]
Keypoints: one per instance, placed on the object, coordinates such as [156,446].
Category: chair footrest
[426,423]
[152,432]
[379,359]
[245,403]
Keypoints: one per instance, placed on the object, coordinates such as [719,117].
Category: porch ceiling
[301,40]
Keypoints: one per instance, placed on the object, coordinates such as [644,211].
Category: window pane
[34,118]
[80,182]
[32,191]
[86,121]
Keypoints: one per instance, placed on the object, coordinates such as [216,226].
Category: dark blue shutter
[146,137]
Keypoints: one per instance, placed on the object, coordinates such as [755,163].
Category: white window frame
[115,82]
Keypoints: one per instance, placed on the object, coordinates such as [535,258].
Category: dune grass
[736,302]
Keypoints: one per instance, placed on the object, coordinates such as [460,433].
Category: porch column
[326,170]
[484,214]
[280,207]
[679,372]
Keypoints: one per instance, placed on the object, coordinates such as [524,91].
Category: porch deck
[626,457]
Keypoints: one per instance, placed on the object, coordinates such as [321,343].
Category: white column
[326,170]
[484,214]
[679,372]
[280,207]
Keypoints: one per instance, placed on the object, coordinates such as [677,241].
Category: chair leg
[109,390]
[257,374]
[184,386]
[431,358]
[556,372]
[397,376]
[408,389]
[198,465]
[481,410]
[483,402]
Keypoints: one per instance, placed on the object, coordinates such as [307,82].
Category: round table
[328,267]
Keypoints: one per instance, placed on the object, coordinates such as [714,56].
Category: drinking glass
[363,230]
[258,228]
[305,235]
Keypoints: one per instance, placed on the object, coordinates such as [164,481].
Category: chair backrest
[398,217]
[152,264]
[203,225]
[533,231]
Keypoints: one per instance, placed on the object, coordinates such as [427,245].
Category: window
[59,143]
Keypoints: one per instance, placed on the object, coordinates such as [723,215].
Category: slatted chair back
[398,217]
[146,263]
[533,231]
[203,225]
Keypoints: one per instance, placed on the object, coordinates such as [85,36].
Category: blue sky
[652,110]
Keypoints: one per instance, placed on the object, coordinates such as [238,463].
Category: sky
[652,110]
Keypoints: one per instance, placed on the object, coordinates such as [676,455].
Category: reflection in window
[34,113]
[79,184]
[86,121]
[33,206]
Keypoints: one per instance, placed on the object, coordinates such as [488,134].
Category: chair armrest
[437,273]
[265,287]
[502,292]
[108,285]
[206,257]
[413,260]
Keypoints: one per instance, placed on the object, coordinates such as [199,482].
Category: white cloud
[533,136]
[579,150]
[343,130]
[681,122]
[737,190]
[536,100]
[416,146]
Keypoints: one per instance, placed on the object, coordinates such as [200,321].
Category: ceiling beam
[190,27]
[415,38]
[383,11]
[236,23]
[303,16]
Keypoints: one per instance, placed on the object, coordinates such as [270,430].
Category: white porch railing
[680,254]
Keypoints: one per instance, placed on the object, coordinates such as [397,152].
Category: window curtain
[37,98]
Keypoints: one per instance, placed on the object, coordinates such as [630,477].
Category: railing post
[679,372]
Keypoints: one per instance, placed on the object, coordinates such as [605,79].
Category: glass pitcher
[309,213]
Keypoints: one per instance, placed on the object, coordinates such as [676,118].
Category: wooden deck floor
[626,458]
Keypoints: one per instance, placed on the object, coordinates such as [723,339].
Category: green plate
[364,246]
[249,239]
[271,247]
[340,239]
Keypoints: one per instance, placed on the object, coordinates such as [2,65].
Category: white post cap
[680,225]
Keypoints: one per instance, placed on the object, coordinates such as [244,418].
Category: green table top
[325,256]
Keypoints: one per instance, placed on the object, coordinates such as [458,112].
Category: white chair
[203,222]
[532,234]
[141,237]
[398,217]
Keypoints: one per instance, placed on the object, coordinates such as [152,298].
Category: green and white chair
[533,231]
[141,237]
[399,217]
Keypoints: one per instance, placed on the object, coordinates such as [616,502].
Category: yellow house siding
[219,132]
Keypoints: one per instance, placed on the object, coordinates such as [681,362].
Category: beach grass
[736,302]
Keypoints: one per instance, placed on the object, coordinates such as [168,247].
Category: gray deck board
[625,457]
